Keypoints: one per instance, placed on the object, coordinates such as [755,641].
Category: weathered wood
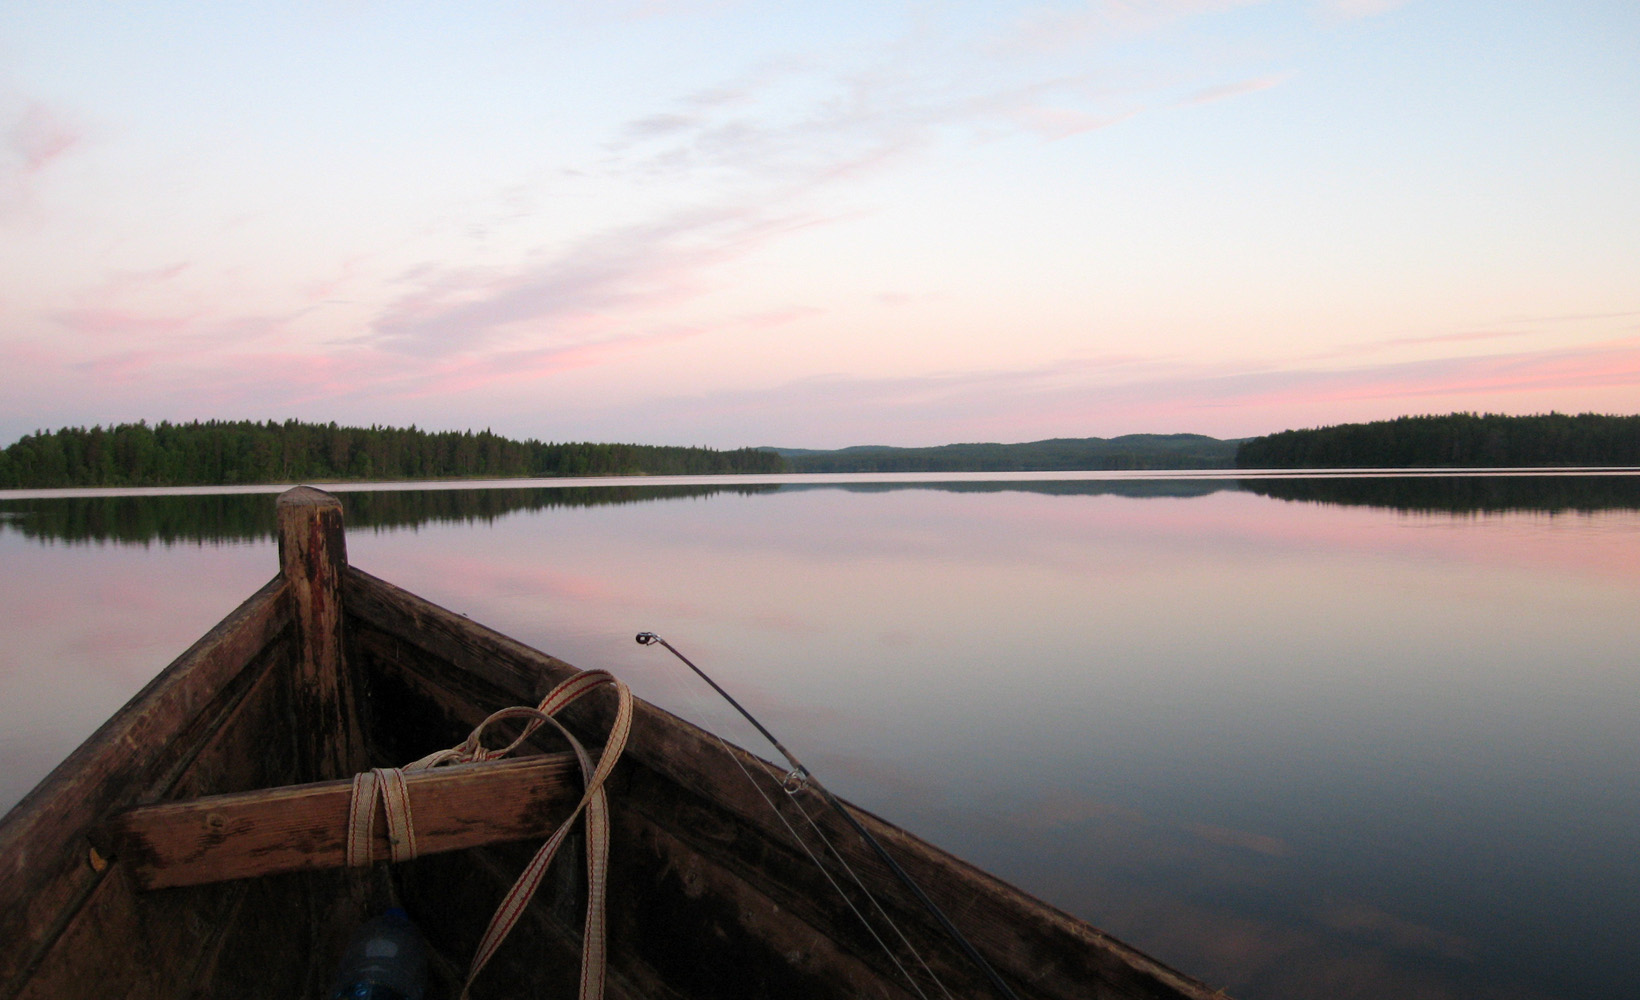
[699,898]
[681,781]
[313,559]
[675,918]
[139,754]
[707,930]
[238,748]
[304,827]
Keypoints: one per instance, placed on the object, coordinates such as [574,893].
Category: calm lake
[1298,737]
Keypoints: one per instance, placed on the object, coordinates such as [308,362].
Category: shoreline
[802,478]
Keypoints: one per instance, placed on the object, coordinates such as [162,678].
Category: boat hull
[709,895]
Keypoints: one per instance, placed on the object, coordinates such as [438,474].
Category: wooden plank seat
[217,838]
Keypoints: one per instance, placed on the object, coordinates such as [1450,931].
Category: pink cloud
[38,136]
[1121,395]
[35,137]
[1448,338]
[120,323]
[778,317]
[1615,363]
[571,300]
[1062,123]
[1236,89]
[504,367]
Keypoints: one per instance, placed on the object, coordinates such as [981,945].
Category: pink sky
[735,224]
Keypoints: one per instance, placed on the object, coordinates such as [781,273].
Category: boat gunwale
[667,744]
[47,873]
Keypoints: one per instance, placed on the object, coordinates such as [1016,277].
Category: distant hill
[1456,440]
[1130,451]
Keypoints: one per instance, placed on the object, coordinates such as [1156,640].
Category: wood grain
[147,748]
[313,559]
[304,827]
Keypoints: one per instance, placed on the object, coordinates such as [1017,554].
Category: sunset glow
[818,225]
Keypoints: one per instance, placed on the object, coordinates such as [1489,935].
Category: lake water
[1299,737]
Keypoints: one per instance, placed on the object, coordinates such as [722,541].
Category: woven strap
[594,802]
[388,785]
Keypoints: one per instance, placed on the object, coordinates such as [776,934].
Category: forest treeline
[218,452]
[1456,440]
[1130,451]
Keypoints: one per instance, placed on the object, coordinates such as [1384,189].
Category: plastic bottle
[385,960]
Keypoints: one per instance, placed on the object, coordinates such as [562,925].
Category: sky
[818,224]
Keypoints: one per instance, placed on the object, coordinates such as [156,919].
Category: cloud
[1352,9]
[498,369]
[748,156]
[789,127]
[1054,29]
[1610,364]
[37,136]
[1237,89]
[656,126]
[1061,123]
[584,295]
[33,136]
[1523,327]
[774,147]
[120,324]
[1369,347]
[1121,395]
[1467,336]
[781,316]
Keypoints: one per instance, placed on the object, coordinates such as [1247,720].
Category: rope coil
[387,784]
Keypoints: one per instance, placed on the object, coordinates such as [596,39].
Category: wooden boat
[191,847]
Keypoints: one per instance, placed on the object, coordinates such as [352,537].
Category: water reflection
[217,518]
[1459,494]
[1296,749]
[211,518]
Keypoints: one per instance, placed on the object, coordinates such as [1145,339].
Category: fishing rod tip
[648,638]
